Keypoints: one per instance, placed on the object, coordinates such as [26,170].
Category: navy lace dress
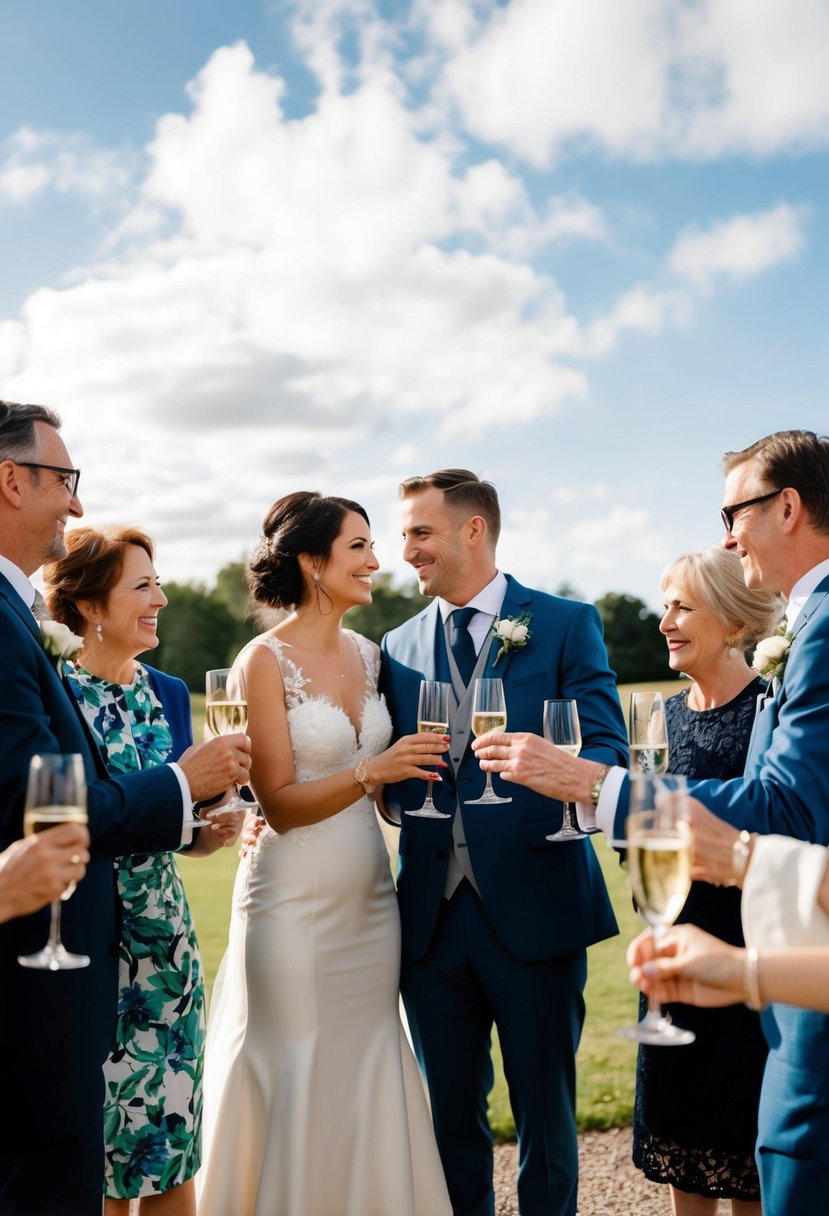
[695,1117]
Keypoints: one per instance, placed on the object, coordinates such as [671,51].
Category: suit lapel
[811,606]
[427,643]
[16,604]
[517,602]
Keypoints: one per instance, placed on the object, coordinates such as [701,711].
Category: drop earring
[99,630]
[732,649]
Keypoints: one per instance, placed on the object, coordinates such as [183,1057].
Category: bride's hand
[411,756]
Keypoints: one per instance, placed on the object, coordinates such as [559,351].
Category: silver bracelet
[751,981]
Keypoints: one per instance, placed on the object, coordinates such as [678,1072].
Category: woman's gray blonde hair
[715,576]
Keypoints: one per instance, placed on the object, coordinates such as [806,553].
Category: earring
[100,631]
[316,577]
[732,649]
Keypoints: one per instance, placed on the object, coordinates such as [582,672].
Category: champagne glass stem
[54,943]
[653,1017]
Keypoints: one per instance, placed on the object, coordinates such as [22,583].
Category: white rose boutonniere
[511,633]
[771,655]
[58,640]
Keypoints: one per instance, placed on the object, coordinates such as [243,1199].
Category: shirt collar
[803,588]
[488,600]
[18,580]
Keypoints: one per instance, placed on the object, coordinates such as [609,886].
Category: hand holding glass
[659,869]
[489,712]
[226,713]
[561,728]
[56,793]
[432,719]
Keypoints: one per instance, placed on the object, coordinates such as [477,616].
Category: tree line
[203,628]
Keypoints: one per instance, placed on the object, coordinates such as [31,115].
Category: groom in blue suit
[496,919]
[57,1027]
[776,519]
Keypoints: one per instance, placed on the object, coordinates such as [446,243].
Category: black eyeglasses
[728,513]
[69,477]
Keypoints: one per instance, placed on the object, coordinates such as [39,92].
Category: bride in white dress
[313,1104]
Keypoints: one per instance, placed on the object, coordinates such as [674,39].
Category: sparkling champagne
[572,749]
[226,717]
[39,818]
[432,728]
[645,758]
[483,722]
[659,866]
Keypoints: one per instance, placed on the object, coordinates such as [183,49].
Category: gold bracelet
[751,980]
[361,776]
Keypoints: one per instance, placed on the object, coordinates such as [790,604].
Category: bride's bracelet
[361,776]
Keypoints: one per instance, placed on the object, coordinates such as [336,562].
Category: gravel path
[608,1183]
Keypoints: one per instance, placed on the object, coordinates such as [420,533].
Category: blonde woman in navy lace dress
[695,1121]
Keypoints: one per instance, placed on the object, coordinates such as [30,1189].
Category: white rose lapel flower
[771,655]
[58,640]
[512,633]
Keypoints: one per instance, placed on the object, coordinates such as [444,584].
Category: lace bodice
[323,737]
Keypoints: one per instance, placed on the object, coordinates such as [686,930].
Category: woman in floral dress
[106,589]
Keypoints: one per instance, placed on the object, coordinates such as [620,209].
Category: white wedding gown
[313,1104]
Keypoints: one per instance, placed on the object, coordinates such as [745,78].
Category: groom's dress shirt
[25,589]
[487,604]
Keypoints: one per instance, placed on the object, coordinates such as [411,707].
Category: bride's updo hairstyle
[303,522]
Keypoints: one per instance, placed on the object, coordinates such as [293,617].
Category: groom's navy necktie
[460,641]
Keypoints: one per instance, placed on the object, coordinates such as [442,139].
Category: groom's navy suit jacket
[785,790]
[543,899]
[56,1027]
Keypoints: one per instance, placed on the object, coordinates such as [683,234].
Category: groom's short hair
[463,492]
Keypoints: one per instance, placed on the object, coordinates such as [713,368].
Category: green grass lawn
[606,1063]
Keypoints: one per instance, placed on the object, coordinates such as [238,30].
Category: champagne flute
[489,712]
[561,728]
[432,719]
[226,713]
[659,870]
[648,734]
[56,793]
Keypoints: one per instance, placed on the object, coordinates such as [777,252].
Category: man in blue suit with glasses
[496,917]
[776,518]
[57,1027]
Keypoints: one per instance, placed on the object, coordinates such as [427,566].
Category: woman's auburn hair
[89,570]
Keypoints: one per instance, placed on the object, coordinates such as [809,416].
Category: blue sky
[580,248]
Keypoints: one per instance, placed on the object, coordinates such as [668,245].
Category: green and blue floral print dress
[152,1112]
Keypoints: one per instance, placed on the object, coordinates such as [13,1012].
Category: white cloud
[738,248]
[543,547]
[646,79]
[642,309]
[32,162]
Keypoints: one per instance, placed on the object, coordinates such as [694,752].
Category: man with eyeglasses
[56,1028]
[777,521]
